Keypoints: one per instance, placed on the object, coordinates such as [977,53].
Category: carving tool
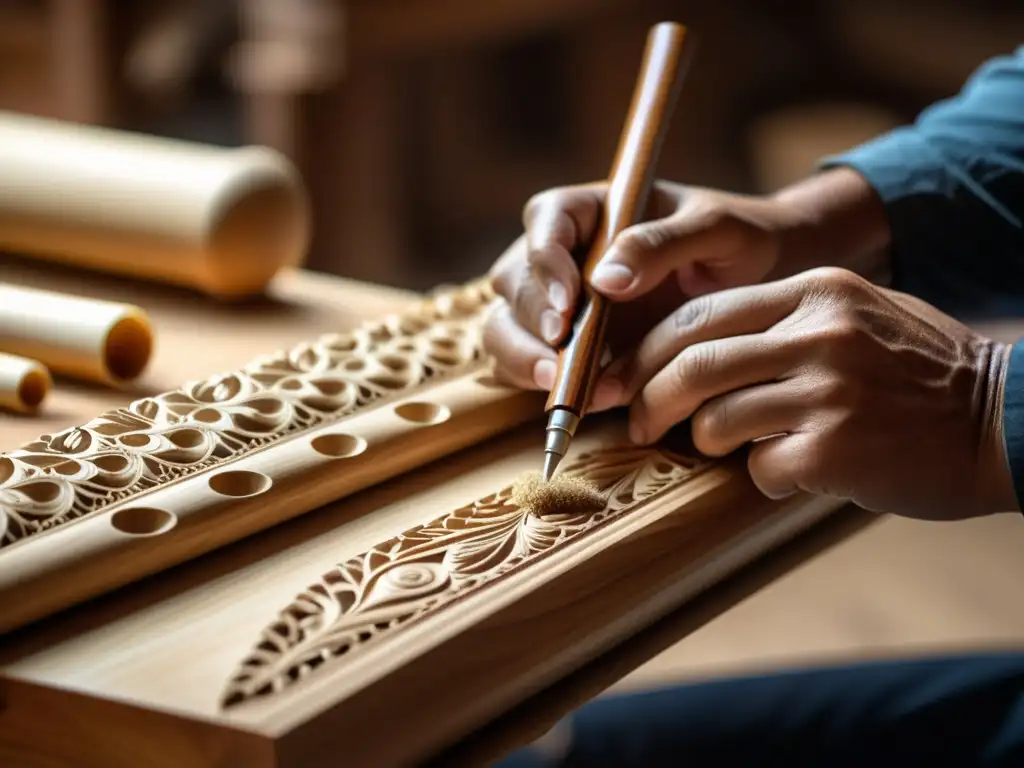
[632,176]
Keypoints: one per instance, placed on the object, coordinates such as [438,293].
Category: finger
[702,372]
[515,281]
[774,464]
[520,359]
[728,422]
[643,255]
[558,222]
[729,313]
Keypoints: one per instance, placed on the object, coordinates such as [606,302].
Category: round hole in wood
[338,445]
[489,380]
[423,413]
[128,347]
[239,483]
[353,365]
[33,388]
[143,521]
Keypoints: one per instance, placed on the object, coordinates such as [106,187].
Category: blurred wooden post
[288,48]
[78,46]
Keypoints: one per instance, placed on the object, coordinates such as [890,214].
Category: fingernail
[607,394]
[550,325]
[612,277]
[544,373]
[559,297]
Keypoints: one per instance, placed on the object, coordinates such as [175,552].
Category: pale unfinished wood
[178,637]
[99,341]
[24,383]
[474,607]
[178,474]
[220,220]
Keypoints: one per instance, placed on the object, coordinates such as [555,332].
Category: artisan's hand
[694,241]
[850,390]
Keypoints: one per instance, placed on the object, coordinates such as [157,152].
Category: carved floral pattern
[417,573]
[156,440]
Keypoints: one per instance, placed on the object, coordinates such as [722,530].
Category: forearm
[842,223]
[939,202]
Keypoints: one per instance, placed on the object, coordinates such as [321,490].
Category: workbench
[855,586]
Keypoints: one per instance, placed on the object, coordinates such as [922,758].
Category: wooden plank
[163,658]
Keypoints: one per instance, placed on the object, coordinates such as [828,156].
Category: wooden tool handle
[631,179]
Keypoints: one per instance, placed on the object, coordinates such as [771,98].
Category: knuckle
[709,427]
[841,340]
[493,333]
[499,280]
[835,280]
[694,314]
[840,393]
[694,363]
[540,201]
[638,240]
[524,308]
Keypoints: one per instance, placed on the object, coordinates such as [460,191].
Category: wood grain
[162,658]
[178,474]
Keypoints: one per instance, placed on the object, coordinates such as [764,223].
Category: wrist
[834,218]
[995,492]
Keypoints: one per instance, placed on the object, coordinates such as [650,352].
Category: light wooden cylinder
[100,341]
[24,383]
[220,220]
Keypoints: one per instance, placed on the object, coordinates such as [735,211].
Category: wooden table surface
[856,586]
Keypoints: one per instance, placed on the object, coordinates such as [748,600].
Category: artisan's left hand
[848,389]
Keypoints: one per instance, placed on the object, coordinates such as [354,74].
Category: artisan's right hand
[695,241]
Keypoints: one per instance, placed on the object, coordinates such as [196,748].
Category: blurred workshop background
[422,126]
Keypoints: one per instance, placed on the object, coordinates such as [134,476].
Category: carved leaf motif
[366,599]
[161,439]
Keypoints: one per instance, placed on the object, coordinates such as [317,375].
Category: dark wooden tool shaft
[630,182]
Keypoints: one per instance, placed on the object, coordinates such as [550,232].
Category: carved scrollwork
[419,572]
[157,440]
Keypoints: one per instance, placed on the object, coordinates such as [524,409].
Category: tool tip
[550,465]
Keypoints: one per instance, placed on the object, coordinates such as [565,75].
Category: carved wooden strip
[243,452]
[451,623]
[371,597]
[158,440]
[159,660]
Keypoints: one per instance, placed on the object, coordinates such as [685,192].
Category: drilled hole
[489,380]
[128,347]
[423,413]
[338,445]
[240,483]
[33,388]
[142,521]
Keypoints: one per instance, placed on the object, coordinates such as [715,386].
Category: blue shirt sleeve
[953,188]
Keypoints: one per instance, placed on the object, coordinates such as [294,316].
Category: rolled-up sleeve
[953,188]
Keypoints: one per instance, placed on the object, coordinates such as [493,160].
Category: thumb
[643,255]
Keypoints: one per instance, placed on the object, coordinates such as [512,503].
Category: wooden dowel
[220,220]
[24,383]
[89,339]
